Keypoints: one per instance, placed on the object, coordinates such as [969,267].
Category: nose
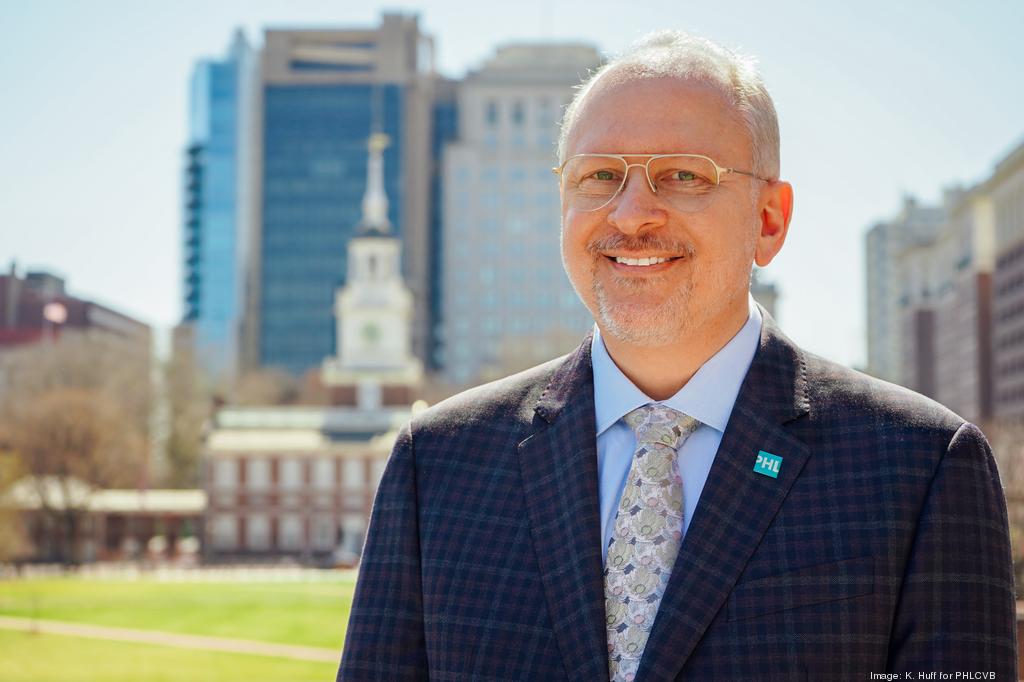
[636,207]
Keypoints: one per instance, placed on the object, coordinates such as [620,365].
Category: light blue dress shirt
[708,396]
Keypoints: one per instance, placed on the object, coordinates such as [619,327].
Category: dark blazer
[881,546]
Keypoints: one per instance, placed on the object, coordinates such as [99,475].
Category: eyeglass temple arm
[723,171]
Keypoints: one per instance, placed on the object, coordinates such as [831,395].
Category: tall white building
[929,302]
[962,304]
[506,301]
[887,291]
[1006,189]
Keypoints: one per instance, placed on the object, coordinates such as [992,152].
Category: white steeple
[374,307]
[375,201]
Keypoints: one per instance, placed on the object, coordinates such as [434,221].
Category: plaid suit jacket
[881,546]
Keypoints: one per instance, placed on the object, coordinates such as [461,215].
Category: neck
[660,371]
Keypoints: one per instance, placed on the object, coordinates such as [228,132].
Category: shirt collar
[708,396]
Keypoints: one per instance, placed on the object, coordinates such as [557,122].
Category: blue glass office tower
[445,130]
[314,177]
[215,206]
[322,94]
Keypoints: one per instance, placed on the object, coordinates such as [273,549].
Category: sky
[876,101]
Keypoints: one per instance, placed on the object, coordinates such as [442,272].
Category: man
[687,495]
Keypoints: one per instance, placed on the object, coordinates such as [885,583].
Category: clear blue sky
[876,99]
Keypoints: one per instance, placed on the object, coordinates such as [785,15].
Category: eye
[683,180]
[603,175]
[683,176]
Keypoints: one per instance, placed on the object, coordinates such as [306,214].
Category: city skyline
[935,115]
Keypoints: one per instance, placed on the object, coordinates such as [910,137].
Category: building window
[323,474]
[353,527]
[492,113]
[257,532]
[225,473]
[323,533]
[354,473]
[518,115]
[289,532]
[257,474]
[290,474]
[224,532]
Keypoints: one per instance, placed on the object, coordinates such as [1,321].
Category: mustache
[642,243]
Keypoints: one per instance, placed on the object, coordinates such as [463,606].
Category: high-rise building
[929,300]
[962,305]
[946,296]
[506,302]
[1006,189]
[321,94]
[445,129]
[36,307]
[915,224]
[217,204]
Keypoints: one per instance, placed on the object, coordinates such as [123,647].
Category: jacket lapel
[736,506]
[559,469]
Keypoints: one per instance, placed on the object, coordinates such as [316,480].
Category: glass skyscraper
[215,205]
[322,93]
[314,176]
[445,130]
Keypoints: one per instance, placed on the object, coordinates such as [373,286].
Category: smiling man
[688,494]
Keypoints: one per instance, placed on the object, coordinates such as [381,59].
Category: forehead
[659,115]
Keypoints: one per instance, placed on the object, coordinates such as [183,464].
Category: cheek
[574,239]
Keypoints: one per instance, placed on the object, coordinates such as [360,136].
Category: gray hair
[680,55]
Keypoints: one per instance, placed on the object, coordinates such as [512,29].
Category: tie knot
[656,423]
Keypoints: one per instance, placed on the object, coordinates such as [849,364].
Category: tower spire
[375,201]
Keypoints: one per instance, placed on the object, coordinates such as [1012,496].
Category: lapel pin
[767,464]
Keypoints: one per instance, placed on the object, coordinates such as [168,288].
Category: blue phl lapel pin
[767,464]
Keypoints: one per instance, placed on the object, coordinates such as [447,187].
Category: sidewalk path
[222,644]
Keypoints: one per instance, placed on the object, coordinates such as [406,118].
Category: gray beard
[648,326]
[645,325]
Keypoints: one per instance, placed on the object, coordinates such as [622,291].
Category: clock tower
[374,308]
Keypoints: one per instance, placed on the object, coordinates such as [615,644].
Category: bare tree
[189,401]
[76,412]
[71,441]
[118,369]
[14,543]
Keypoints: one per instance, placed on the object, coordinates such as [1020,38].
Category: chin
[645,328]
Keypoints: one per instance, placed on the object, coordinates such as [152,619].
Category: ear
[776,208]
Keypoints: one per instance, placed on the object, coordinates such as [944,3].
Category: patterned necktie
[646,537]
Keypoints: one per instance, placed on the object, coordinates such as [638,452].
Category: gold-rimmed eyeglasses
[688,182]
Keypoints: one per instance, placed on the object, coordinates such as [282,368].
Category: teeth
[640,261]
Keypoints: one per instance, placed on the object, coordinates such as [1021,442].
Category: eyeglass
[686,181]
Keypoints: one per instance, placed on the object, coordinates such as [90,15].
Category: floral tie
[646,537]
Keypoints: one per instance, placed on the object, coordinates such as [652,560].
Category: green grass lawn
[311,614]
[25,657]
